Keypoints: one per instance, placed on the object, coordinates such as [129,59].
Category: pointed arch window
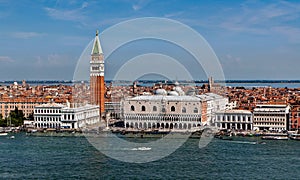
[195,110]
[154,108]
[173,109]
[132,108]
[183,110]
[143,108]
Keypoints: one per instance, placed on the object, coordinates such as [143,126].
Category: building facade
[213,103]
[162,112]
[25,104]
[171,110]
[97,84]
[271,117]
[48,115]
[58,116]
[234,119]
[295,117]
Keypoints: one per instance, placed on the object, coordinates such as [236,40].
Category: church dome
[161,92]
[173,93]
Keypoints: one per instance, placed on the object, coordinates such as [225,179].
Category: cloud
[174,14]
[6,59]
[52,60]
[26,35]
[277,18]
[75,14]
[69,15]
[231,60]
[139,4]
[291,33]
[56,59]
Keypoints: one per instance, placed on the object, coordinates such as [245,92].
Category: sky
[43,40]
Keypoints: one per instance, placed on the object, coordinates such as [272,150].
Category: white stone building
[215,103]
[162,111]
[234,119]
[58,116]
[271,117]
[171,110]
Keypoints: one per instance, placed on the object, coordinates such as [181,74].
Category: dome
[173,93]
[176,83]
[161,92]
[179,90]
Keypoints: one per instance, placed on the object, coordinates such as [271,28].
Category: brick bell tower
[97,84]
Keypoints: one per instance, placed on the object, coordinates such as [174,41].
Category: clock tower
[97,84]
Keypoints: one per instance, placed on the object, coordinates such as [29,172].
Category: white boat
[141,149]
[275,137]
[295,137]
[3,134]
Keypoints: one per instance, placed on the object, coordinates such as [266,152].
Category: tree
[16,117]
[3,122]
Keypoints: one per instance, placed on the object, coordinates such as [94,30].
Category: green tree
[2,121]
[16,117]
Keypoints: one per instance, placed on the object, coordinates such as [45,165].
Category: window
[154,108]
[132,108]
[183,110]
[195,110]
[143,108]
[172,108]
[163,109]
[95,68]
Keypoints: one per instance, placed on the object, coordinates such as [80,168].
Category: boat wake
[243,142]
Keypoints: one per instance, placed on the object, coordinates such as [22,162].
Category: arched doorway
[167,125]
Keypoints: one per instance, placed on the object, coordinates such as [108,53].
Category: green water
[27,157]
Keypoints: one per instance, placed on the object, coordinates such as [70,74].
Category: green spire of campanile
[97,46]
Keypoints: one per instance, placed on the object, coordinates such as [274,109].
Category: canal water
[29,157]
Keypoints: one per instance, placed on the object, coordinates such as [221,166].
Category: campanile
[97,84]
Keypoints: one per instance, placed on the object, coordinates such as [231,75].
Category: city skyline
[253,39]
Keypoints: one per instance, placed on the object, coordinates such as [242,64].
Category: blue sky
[252,39]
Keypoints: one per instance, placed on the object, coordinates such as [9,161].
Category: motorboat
[3,134]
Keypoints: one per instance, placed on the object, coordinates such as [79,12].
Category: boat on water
[3,134]
[295,137]
[275,137]
[228,138]
[141,149]
[262,142]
